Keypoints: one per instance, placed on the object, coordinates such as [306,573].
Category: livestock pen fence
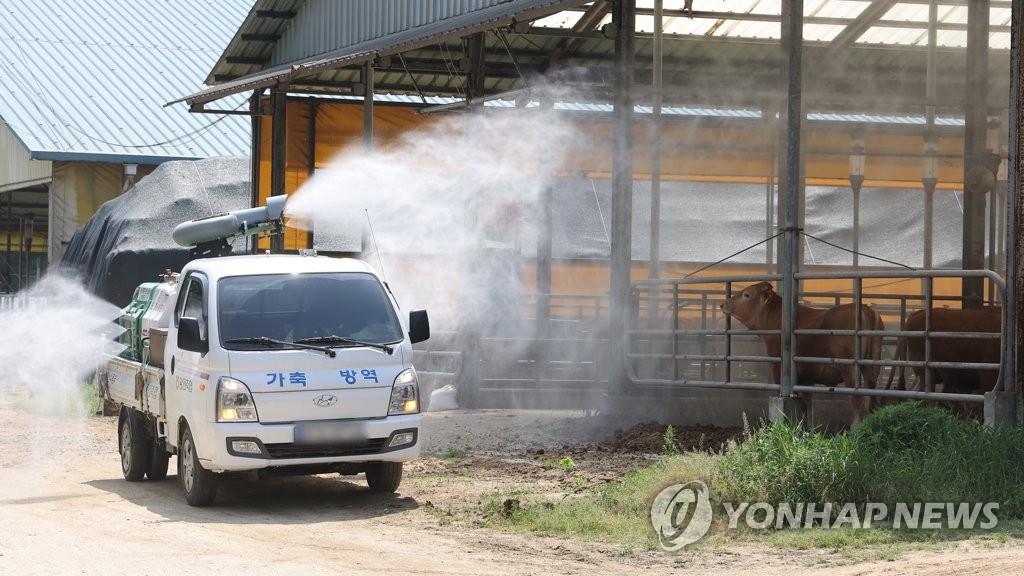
[17,301]
[679,337]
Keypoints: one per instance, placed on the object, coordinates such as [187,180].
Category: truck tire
[199,484]
[132,444]
[158,460]
[383,476]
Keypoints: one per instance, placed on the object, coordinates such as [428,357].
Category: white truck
[259,365]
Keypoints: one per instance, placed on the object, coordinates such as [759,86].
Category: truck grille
[371,446]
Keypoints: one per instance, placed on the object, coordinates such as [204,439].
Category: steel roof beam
[828,21]
[261,37]
[276,14]
[868,17]
[587,23]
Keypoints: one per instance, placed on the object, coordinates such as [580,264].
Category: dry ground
[65,509]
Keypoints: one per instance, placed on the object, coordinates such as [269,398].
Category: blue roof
[87,79]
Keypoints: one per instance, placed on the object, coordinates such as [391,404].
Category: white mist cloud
[51,342]
[460,194]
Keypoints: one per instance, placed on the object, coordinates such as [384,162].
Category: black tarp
[128,240]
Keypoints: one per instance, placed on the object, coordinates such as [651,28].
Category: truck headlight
[405,394]
[234,402]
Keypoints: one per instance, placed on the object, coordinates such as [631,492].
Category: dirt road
[64,509]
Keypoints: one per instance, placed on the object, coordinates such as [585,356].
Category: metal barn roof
[864,56]
[87,80]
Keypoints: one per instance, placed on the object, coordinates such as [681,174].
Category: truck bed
[132,384]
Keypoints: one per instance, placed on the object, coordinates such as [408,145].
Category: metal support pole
[930,72]
[543,311]
[314,110]
[975,127]
[929,219]
[769,208]
[931,146]
[624,25]
[474,67]
[1014,307]
[367,78]
[654,264]
[10,221]
[278,152]
[792,38]
[856,182]
[256,109]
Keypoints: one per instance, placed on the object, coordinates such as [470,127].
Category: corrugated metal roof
[728,56]
[396,25]
[901,24]
[87,79]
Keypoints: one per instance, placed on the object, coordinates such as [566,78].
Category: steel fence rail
[652,296]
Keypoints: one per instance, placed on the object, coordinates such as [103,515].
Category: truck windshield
[290,307]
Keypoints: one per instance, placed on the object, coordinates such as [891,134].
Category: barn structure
[847,150]
[81,116]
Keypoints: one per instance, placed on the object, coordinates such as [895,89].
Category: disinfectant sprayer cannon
[209,236]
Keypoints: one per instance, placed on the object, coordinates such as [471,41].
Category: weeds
[453,454]
[786,463]
[669,447]
[567,464]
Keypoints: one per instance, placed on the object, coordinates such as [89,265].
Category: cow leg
[870,376]
[856,402]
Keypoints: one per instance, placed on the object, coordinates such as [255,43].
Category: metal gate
[679,337]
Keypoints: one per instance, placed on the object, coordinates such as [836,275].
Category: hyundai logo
[325,400]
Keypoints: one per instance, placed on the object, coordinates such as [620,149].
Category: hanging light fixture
[857,161]
[930,179]
[857,158]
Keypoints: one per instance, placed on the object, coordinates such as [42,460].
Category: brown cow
[974,350]
[758,307]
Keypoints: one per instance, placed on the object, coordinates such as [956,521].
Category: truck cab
[286,363]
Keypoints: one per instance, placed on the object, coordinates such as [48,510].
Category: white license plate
[330,433]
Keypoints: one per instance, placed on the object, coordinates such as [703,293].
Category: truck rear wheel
[199,484]
[158,460]
[132,444]
[384,476]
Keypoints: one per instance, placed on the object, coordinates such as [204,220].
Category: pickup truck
[260,365]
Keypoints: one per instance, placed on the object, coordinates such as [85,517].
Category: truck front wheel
[199,484]
[132,444]
[383,476]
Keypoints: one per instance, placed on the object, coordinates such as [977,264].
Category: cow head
[748,304]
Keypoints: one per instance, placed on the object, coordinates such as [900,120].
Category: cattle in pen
[759,307]
[953,349]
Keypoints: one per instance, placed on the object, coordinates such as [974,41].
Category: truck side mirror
[189,336]
[419,326]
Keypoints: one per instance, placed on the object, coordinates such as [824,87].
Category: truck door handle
[172,365]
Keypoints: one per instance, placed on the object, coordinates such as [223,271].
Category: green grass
[453,454]
[902,453]
[786,463]
[618,512]
[909,453]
